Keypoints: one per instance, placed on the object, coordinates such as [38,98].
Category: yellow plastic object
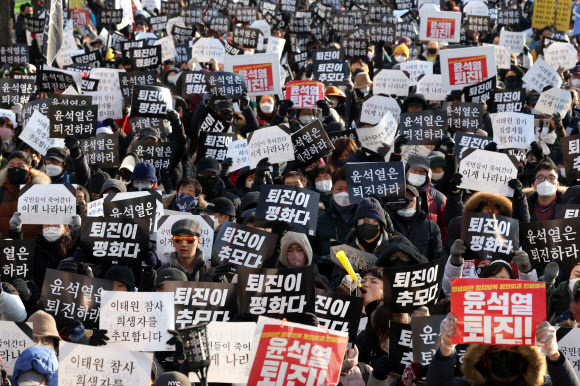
[341,256]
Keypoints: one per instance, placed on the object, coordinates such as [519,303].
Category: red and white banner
[441,26]
[466,66]
[304,93]
[290,353]
[260,71]
[80,17]
[497,312]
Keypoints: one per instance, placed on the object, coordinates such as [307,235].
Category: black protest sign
[133,205]
[33,24]
[274,292]
[158,23]
[14,54]
[359,260]
[113,16]
[571,153]
[232,50]
[480,24]
[91,59]
[192,15]
[69,296]
[406,4]
[53,81]
[464,116]
[78,121]
[112,240]
[159,154]
[424,127]
[40,105]
[567,211]
[197,302]
[246,37]
[341,23]
[14,91]
[242,245]
[17,260]
[468,141]
[127,46]
[366,179]
[400,345]
[129,79]
[321,11]
[70,100]
[354,48]
[192,83]
[220,24]
[170,8]
[509,17]
[102,151]
[147,58]
[290,206]
[288,6]
[301,23]
[334,135]
[331,72]
[214,145]
[183,53]
[338,312]
[245,14]
[553,240]
[479,92]
[506,101]
[330,54]
[150,101]
[116,42]
[489,236]
[376,10]
[182,34]
[139,123]
[426,332]
[410,30]
[225,84]
[311,143]
[408,288]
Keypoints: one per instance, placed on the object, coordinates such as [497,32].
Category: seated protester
[187,257]
[208,175]
[11,307]
[143,178]
[36,366]
[18,172]
[44,330]
[573,313]
[344,147]
[294,178]
[122,277]
[220,210]
[499,365]
[59,171]
[321,179]
[412,222]
[95,183]
[187,198]
[244,181]
[547,193]
[296,252]
[113,186]
[559,298]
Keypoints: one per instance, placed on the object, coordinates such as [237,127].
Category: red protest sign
[80,17]
[497,312]
[258,77]
[440,28]
[304,93]
[290,353]
[467,70]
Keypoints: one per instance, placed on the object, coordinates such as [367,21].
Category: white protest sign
[462,67]
[265,32]
[138,321]
[108,79]
[476,8]
[64,57]
[151,4]
[230,346]
[110,104]
[275,45]
[503,58]
[394,82]
[380,135]
[47,204]
[164,238]
[487,171]
[168,50]
[10,115]
[431,87]
[415,68]
[561,55]
[238,152]
[513,41]
[14,338]
[70,91]
[36,134]
[95,208]
[102,365]
[206,49]
[272,142]
[568,345]
[541,74]
[440,26]
[554,100]
[261,72]
[77,76]
[375,108]
[513,130]
[407,150]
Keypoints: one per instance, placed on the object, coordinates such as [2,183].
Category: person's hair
[568,323]
[4,120]
[374,271]
[442,307]
[64,245]
[295,173]
[191,181]
[24,6]
[23,146]
[494,269]
[85,193]
[318,170]
[379,320]
[338,175]
[22,155]
[546,165]
[250,219]
[340,145]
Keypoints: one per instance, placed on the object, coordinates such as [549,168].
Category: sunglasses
[179,239]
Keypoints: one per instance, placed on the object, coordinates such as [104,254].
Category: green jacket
[559,299]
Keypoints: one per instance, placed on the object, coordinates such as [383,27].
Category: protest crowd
[290,192]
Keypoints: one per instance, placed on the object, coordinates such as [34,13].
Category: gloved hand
[207,98]
[262,175]
[173,118]
[15,223]
[112,124]
[309,70]
[73,146]
[551,273]
[557,121]
[225,165]
[349,85]
[399,142]
[177,340]
[492,146]
[383,150]
[22,288]
[382,367]
[518,188]
[546,338]
[522,260]
[536,151]
[79,256]
[412,373]
[17,109]
[244,101]
[448,330]
[221,270]
[323,105]
[285,105]
[454,182]
[449,144]
[457,250]
[75,223]
[99,338]
[347,285]
[150,259]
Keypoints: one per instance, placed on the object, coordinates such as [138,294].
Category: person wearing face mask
[220,210]
[547,193]
[143,178]
[412,222]
[512,78]
[343,148]
[296,252]
[187,198]
[560,297]
[55,163]
[443,164]
[401,54]
[7,134]
[322,177]
[266,109]
[208,175]
[431,53]
[335,98]
[44,330]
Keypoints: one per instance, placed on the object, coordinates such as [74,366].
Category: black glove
[285,105]
[537,151]
[226,164]
[221,270]
[399,142]
[173,118]
[244,101]
[526,50]
[492,146]
[557,121]
[112,124]
[449,144]
[73,146]
[262,172]
[518,188]
[207,98]
[455,181]
[383,150]
[323,105]
[177,340]
[22,288]
[99,338]
[382,367]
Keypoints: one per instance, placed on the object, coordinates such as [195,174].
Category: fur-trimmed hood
[531,190]
[38,177]
[536,368]
[170,198]
[479,199]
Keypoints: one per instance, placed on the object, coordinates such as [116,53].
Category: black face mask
[17,176]
[210,185]
[512,81]
[432,51]
[81,207]
[34,163]
[227,117]
[341,161]
[504,364]
[399,263]
[367,231]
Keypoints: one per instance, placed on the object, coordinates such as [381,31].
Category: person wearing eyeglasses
[44,330]
[187,256]
[548,193]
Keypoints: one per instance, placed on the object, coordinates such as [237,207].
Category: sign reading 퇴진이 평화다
[571,153]
[151,101]
[490,236]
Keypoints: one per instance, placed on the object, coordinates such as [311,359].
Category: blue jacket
[40,359]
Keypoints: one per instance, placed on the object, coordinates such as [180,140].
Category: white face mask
[406,212]
[306,119]
[323,186]
[549,138]
[364,90]
[53,170]
[575,82]
[142,186]
[571,284]
[546,189]
[400,58]
[563,172]
[437,176]
[216,222]
[267,108]
[416,179]
[333,101]
[52,234]
[249,184]
[342,199]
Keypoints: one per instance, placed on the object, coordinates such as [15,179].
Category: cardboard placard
[39,204]
[17,260]
[15,337]
[571,154]
[382,134]
[375,107]
[305,93]
[359,260]
[385,179]
[238,152]
[151,101]
[311,143]
[205,49]
[440,26]
[225,84]
[462,67]
[391,82]
[540,75]
[159,154]
[487,171]
[480,92]
[555,100]
[513,130]
[339,312]
[146,58]
[272,142]
[431,86]
[490,236]
[261,72]
[79,122]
